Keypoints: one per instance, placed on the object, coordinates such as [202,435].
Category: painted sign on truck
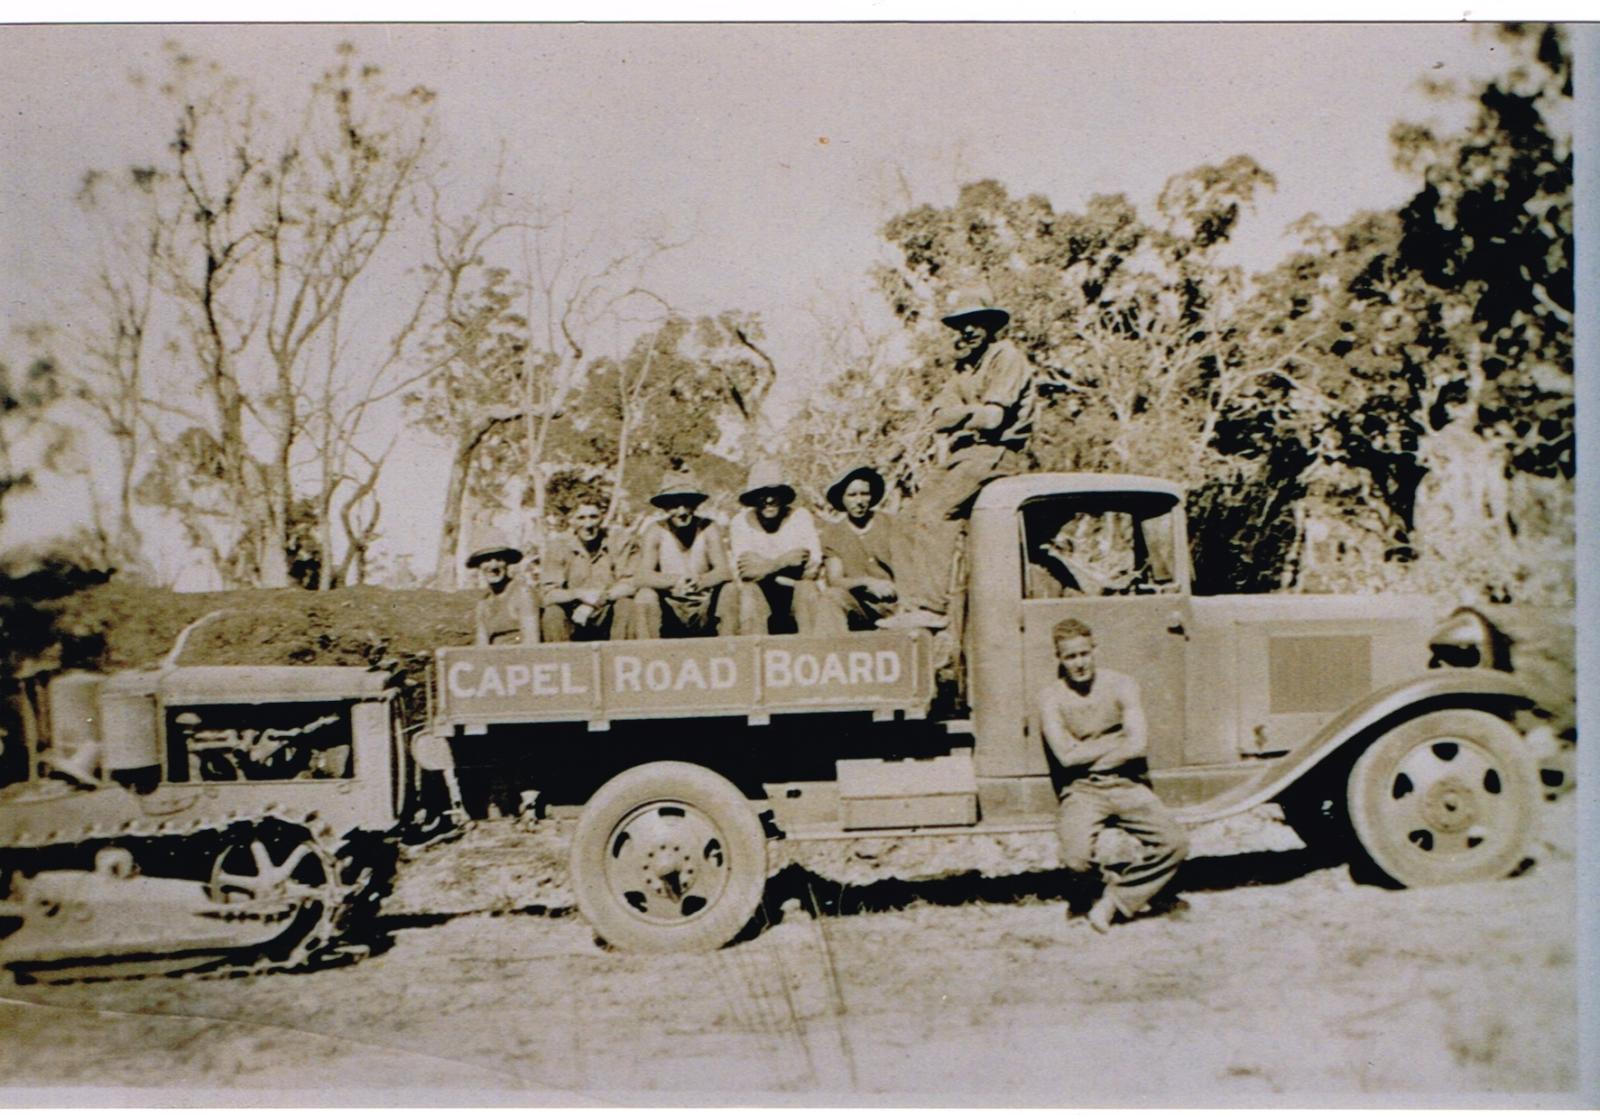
[881,670]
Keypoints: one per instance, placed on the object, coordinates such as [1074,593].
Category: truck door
[1116,561]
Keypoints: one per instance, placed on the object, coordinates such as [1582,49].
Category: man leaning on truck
[682,570]
[1094,727]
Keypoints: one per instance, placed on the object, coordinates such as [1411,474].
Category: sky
[773,153]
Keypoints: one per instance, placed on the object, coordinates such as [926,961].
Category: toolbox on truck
[908,793]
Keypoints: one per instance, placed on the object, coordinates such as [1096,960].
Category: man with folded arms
[1093,725]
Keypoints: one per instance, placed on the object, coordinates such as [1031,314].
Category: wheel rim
[667,863]
[298,891]
[1447,798]
[246,871]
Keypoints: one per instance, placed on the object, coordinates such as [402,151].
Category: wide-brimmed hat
[765,476]
[872,476]
[678,487]
[493,547]
[975,306]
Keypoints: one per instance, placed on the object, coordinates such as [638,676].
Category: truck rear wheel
[1447,797]
[668,857]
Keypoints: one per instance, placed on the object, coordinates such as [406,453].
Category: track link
[359,870]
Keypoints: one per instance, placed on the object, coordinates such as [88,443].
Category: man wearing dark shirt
[856,551]
[983,418]
[581,581]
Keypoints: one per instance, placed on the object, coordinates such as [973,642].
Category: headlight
[432,752]
[1467,639]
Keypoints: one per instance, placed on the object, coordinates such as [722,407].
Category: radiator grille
[1315,673]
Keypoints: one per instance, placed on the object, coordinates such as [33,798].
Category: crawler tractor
[211,818]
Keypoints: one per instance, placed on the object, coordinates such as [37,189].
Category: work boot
[1102,914]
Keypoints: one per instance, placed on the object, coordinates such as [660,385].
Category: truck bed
[750,676]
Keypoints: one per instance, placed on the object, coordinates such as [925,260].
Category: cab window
[1100,544]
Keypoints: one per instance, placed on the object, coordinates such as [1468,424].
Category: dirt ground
[1283,981]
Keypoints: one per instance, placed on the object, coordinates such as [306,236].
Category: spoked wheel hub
[667,861]
[292,882]
[668,857]
[1449,795]
[247,872]
[1446,797]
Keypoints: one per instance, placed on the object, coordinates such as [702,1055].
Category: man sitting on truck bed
[777,558]
[682,570]
[1093,725]
[581,581]
[508,612]
[856,550]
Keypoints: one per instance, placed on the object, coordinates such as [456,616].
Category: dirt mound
[136,626]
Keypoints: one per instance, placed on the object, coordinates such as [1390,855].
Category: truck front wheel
[668,857]
[1447,797]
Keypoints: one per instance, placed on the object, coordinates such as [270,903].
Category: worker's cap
[872,476]
[765,477]
[679,488]
[974,306]
[494,548]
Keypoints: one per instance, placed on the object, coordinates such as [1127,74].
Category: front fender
[1471,688]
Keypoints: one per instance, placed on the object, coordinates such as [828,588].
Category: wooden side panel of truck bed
[754,676]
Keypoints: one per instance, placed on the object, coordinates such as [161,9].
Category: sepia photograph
[822,564]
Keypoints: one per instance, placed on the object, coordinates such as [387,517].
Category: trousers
[657,614]
[769,608]
[849,609]
[556,626]
[1095,803]
[929,527]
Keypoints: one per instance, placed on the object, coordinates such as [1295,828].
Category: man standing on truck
[777,558]
[857,551]
[682,570]
[1094,728]
[508,612]
[982,420]
[581,581]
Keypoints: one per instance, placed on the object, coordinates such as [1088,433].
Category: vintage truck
[244,817]
[1381,733]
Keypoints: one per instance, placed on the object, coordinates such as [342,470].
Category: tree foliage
[1491,230]
[1309,408]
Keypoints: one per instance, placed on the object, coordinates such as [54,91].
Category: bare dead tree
[567,297]
[257,238]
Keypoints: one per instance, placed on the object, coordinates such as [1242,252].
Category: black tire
[1448,797]
[1316,813]
[668,857]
